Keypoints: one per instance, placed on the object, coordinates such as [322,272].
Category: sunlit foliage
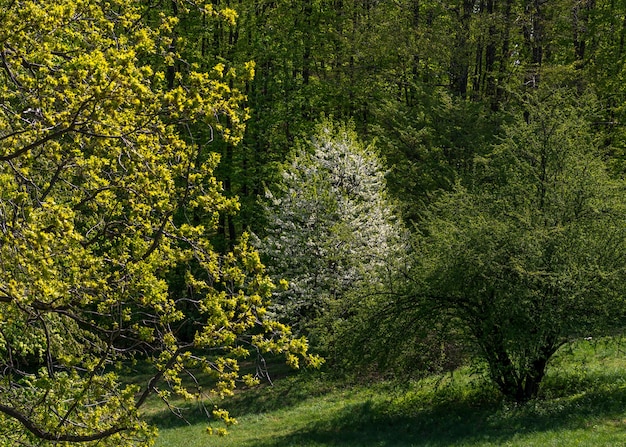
[104,194]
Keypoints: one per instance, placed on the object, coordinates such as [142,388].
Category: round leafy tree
[532,255]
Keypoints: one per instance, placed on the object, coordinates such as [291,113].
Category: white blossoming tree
[331,225]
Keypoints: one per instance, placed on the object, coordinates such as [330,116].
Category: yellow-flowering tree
[101,188]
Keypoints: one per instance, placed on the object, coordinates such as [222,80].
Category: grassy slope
[583,404]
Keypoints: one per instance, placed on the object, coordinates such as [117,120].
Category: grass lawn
[583,403]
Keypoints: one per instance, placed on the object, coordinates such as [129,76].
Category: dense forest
[392,188]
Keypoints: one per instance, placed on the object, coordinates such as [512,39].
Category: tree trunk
[534,30]
[504,55]
[519,382]
[532,379]
[459,63]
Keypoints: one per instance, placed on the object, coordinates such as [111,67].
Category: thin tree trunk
[459,63]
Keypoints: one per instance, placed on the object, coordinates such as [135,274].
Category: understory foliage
[530,255]
[331,225]
[103,195]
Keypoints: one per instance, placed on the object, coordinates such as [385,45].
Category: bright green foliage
[532,255]
[100,188]
[331,225]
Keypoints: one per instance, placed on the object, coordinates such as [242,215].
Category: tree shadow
[292,389]
[454,422]
[437,416]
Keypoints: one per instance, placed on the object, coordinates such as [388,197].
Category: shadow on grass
[449,423]
[392,415]
[291,390]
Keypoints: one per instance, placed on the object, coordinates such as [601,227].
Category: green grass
[583,403]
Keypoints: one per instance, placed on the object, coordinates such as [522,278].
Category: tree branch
[57,437]
[35,144]
[159,375]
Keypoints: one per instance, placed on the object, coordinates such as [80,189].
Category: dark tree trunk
[534,30]
[514,384]
[499,94]
[580,24]
[459,63]
[518,381]
[491,54]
